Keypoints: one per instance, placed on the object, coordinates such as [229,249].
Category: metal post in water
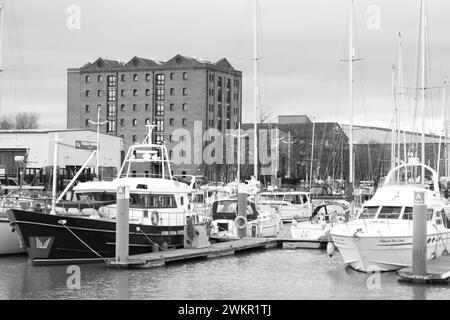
[419,234]
[242,212]
[122,224]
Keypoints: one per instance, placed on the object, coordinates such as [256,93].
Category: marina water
[270,274]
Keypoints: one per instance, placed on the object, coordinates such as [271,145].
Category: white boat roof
[402,195]
[265,193]
[153,185]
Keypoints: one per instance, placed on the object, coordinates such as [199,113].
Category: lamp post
[98,124]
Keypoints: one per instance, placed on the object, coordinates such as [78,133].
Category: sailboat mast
[401,91]
[423,81]
[393,122]
[256,102]
[2,15]
[350,92]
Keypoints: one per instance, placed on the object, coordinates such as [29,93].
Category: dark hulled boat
[158,212]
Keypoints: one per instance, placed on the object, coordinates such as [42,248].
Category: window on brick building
[160,109]
[170,154]
[122,93]
[147,77]
[99,78]
[134,138]
[135,92]
[147,107]
[172,76]
[172,107]
[184,75]
[135,77]
[170,138]
[172,91]
[122,78]
[87,79]
[86,108]
[147,121]
[160,94]
[99,93]
[134,122]
[86,122]
[122,107]
[171,121]
[111,126]
[86,93]
[184,91]
[122,122]
[160,81]
[111,81]
[134,107]
[184,106]
[147,92]
[184,122]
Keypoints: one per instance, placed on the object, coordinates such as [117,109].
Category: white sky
[302,42]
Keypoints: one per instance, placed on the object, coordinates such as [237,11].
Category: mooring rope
[106,261]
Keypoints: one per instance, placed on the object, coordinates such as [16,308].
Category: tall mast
[312,153]
[423,23]
[401,91]
[2,15]
[256,102]
[393,122]
[350,89]
[440,133]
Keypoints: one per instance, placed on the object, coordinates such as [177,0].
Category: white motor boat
[287,204]
[258,224]
[381,236]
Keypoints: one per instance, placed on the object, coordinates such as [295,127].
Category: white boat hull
[385,253]
[9,240]
[309,231]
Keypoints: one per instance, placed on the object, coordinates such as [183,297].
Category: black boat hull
[62,239]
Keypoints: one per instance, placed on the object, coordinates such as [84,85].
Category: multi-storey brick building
[171,95]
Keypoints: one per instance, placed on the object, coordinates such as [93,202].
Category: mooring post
[122,224]
[242,211]
[419,234]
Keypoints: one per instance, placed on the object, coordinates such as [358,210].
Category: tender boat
[381,236]
[316,232]
[287,204]
[159,209]
[226,221]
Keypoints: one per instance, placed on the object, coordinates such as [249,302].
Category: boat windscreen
[227,207]
[389,212]
[368,213]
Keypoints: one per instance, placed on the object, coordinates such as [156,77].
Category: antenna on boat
[148,137]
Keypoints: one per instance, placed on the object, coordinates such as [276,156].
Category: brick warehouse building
[171,95]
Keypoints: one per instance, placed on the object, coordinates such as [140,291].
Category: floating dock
[438,272]
[217,250]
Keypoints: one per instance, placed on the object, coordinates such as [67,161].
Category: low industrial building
[74,147]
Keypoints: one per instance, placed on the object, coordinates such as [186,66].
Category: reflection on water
[272,274]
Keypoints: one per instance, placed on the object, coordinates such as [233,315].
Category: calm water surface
[270,274]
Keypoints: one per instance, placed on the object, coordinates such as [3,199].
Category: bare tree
[27,120]
[6,123]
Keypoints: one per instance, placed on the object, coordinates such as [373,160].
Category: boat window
[389,212]
[96,196]
[289,198]
[446,218]
[429,214]
[368,213]
[152,201]
[438,217]
[249,209]
[278,197]
[227,207]
[304,199]
[407,215]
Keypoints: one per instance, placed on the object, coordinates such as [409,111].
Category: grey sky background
[301,42]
